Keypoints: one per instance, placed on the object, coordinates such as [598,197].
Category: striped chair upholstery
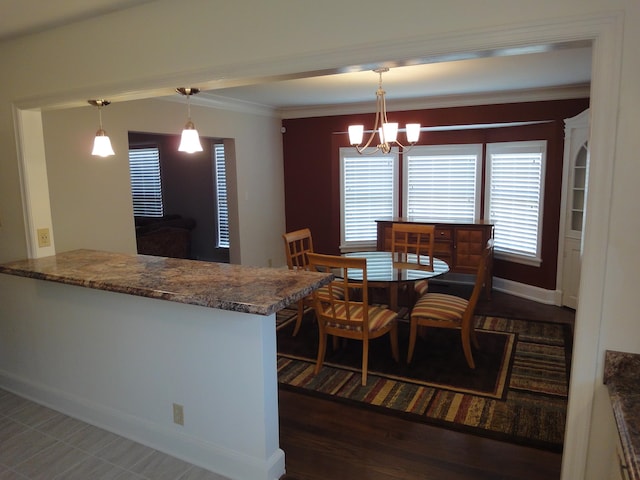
[379,317]
[440,307]
[350,316]
[449,311]
[421,287]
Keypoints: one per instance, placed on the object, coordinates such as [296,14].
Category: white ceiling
[21,17]
[481,73]
[556,68]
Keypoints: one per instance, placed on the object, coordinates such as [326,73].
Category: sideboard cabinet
[459,244]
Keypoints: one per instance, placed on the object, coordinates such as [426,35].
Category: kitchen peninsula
[147,334]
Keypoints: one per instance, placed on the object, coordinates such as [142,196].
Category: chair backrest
[413,238]
[348,306]
[480,280]
[297,245]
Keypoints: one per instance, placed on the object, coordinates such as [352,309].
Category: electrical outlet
[44,240]
[178,414]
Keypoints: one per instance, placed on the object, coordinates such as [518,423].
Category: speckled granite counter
[622,377]
[237,288]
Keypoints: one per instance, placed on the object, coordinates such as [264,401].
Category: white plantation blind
[369,185]
[221,196]
[146,186]
[514,199]
[441,182]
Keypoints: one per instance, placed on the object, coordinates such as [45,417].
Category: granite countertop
[622,378]
[224,286]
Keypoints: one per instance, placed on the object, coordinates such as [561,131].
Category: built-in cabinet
[459,244]
[576,163]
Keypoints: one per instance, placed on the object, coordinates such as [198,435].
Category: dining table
[387,270]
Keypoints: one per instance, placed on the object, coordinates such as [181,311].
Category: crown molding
[448,101]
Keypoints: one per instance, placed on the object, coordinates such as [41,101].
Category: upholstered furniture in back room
[168,236]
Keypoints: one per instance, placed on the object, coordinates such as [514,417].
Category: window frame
[517,147]
[462,149]
[369,243]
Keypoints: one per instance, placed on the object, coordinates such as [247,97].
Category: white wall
[166,43]
[121,361]
[103,219]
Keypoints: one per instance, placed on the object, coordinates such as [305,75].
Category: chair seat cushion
[440,307]
[379,317]
[421,287]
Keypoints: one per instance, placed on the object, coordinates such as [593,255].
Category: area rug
[517,393]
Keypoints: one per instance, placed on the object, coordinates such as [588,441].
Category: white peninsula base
[121,361]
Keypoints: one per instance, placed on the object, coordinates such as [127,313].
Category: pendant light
[387,131]
[190,141]
[101,144]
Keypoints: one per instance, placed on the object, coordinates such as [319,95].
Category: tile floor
[37,443]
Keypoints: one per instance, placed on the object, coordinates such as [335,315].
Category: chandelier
[387,131]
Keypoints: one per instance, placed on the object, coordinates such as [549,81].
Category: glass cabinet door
[578,188]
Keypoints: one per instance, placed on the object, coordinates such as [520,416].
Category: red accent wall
[311,167]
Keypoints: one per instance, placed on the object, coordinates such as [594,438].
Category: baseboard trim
[522,290]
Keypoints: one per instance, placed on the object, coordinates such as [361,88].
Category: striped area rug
[528,408]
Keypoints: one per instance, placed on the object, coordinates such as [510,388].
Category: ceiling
[529,69]
[554,68]
[22,17]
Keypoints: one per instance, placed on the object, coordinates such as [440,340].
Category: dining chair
[442,310]
[297,245]
[350,316]
[418,239]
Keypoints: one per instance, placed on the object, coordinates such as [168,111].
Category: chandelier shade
[190,140]
[387,131]
[101,144]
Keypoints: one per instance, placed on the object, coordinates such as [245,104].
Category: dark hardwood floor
[323,439]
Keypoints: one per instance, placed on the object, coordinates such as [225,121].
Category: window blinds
[146,187]
[221,196]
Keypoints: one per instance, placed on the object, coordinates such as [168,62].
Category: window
[146,186]
[369,187]
[513,203]
[442,182]
[222,240]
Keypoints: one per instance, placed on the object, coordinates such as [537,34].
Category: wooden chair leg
[299,318]
[466,346]
[474,338]
[322,347]
[365,361]
[393,336]
[413,333]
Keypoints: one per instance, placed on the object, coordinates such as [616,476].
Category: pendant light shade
[190,141]
[102,143]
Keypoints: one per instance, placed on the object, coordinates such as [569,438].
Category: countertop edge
[298,284]
[621,379]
